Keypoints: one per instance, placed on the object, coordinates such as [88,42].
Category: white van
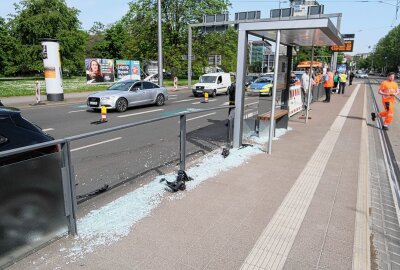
[213,83]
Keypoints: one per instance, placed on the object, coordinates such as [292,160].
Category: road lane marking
[250,115]
[79,106]
[47,129]
[275,242]
[184,100]
[77,111]
[95,144]
[251,103]
[172,98]
[197,117]
[173,95]
[133,114]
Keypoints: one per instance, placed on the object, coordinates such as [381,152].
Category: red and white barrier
[175,83]
[295,102]
[37,92]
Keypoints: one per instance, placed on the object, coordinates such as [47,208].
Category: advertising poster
[99,70]
[341,68]
[128,69]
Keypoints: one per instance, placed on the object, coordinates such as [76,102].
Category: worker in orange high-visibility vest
[328,84]
[388,89]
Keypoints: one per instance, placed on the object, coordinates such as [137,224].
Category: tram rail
[388,153]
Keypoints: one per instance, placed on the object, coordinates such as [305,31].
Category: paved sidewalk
[294,209]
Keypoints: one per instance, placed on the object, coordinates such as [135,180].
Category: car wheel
[121,105]
[160,100]
[214,93]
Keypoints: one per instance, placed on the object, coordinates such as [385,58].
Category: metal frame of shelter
[319,31]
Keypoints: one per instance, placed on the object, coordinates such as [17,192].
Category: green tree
[386,53]
[141,25]
[37,19]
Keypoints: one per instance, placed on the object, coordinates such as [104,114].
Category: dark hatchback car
[16,131]
[31,193]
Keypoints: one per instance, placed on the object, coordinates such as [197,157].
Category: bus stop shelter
[295,31]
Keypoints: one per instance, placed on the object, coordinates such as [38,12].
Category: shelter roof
[296,32]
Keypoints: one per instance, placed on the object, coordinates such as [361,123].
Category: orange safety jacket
[388,88]
[329,83]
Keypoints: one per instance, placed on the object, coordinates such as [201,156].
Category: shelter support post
[335,54]
[239,95]
[285,92]
[309,83]
[276,69]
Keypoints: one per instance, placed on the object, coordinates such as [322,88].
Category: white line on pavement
[251,103]
[91,145]
[133,114]
[197,117]
[48,129]
[173,95]
[172,98]
[184,100]
[78,111]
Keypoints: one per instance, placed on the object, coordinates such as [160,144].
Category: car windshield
[263,80]
[208,79]
[249,78]
[121,86]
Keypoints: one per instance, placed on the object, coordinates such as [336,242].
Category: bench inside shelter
[281,119]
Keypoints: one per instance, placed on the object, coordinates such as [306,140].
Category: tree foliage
[387,52]
[37,19]
[141,25]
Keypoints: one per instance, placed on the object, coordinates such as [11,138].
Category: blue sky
[369,20]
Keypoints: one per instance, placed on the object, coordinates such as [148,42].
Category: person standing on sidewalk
[351,77]
[389,90]
[342,82]
[307,83]
[335,83]
[328,84]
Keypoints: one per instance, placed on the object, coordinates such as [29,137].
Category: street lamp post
[160,55]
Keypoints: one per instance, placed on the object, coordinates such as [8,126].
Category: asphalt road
[142,151]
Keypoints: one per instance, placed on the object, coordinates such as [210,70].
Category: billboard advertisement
[99,70]
[128,69]
[150,67]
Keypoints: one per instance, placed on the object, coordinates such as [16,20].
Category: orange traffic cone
[205,97]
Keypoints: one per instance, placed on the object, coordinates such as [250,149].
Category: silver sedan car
[124,94]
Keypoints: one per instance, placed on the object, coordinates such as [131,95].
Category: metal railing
[67,168]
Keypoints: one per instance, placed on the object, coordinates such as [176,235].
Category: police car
[261,86]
